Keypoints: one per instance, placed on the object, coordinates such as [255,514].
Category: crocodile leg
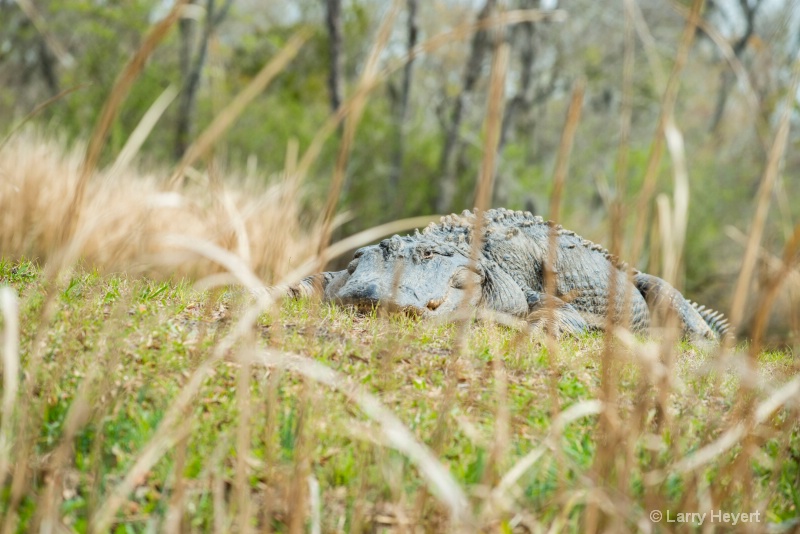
[664,301]
[565,318]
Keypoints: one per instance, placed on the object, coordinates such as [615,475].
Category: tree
[749,9]
[192,60]
[401,110]
[472,70]
[333,23]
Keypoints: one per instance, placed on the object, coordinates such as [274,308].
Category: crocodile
[432,273]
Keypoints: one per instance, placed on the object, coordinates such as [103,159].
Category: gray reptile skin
[429,274]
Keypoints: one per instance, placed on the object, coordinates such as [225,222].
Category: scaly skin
[429,274]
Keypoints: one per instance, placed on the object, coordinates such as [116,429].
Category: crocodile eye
[351,267]
[426,254]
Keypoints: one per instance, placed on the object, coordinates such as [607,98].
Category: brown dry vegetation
[126,216]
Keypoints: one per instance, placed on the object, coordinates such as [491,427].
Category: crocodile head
[411,274]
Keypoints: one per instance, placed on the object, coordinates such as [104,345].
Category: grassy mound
[137,410]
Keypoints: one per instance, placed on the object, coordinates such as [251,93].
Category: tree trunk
[395,199]
[191,66]
[472,71]
[48,64]
[187,28]
[333,21]
[520,103]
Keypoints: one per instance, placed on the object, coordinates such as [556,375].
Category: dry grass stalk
[494,115]
[241,484]
[483,189]
[315,505]
[667,110]
[617,216]
[215,484]
[173,517]
[356,109]
[670,91]
[502,494]
[565,148]
[763,199]
[10,308]
[165,437]
[781,273]
[77,417]
[38,109]
[786,395]
[791,259]
[271,405]
[483,195]
[142,130]
[559,178]
[298,488]
[674,221]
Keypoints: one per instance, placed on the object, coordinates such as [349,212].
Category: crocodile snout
[367,295]
[360,293]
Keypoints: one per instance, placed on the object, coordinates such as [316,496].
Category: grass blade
[10,307]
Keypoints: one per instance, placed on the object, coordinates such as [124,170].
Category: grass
[130,347]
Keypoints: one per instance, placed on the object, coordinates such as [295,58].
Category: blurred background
[420,142]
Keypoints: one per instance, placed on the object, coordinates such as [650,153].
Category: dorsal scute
[499,221]
[715,320]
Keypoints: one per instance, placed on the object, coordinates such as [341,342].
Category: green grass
[135,344]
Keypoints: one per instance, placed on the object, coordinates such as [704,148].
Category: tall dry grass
[126,216]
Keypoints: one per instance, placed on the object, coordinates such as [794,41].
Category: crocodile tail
[716,320]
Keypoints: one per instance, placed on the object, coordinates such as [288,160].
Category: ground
[116,385]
